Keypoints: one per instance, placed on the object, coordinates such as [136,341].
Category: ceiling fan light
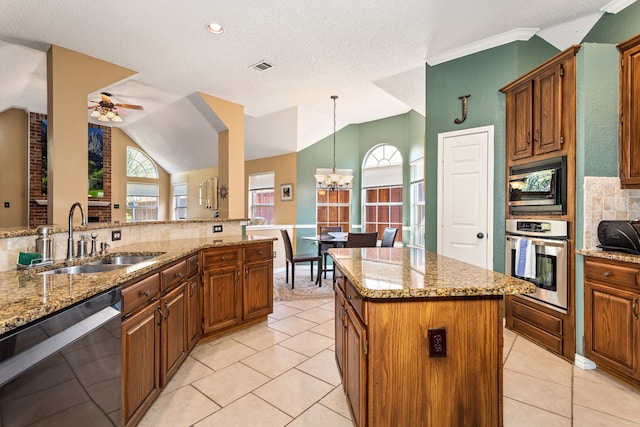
[110,115]
[116,118]
[95,114]
[103,118]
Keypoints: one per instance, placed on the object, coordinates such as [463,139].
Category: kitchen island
[419,337]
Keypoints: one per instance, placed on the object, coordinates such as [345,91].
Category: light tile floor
[282,373]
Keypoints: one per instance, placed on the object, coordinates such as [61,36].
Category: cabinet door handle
[161,316]
[536,137]
[528,138]
[168,311]
[634,308]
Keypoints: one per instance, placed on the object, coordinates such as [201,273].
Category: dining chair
[293,259]
[388,237]
[324,247]
[362,240]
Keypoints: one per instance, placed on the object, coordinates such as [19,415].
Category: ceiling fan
[106,110]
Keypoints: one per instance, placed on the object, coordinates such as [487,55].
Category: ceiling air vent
[261,66]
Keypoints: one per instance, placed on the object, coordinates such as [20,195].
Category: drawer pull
[634,308]
[259,252]
[145,293]
[178,275]
[607,274]
[223,258]
[350,297]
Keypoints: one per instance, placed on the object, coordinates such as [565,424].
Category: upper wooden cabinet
[540,109]
[629,129]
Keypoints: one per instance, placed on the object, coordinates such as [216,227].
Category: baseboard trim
[584,363]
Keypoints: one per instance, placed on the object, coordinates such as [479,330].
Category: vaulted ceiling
[372,54]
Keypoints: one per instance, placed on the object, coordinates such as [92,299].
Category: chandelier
[334,180]
[106,111]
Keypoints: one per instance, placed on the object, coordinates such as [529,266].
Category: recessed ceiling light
[215,28]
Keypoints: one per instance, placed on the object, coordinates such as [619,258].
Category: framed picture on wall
[286,192]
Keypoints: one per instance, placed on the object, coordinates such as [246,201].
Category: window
[140,165]
[382,189]
[261,197]
[418,213]
[179,201]
[142,198]
[142,202]
[333,207]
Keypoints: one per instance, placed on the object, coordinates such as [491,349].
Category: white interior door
[465,195]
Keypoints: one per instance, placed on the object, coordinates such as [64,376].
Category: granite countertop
[616,256]
[26,296]
[379,273]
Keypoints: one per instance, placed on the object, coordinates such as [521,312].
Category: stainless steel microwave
[539,187]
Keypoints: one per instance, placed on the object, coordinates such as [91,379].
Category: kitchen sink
[122,259]
[113,262]
[85,268]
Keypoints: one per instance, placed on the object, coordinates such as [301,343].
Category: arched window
[140,165]
[382,189]
[142,197]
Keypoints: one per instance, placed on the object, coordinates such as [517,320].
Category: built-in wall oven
[536,251]
[65,369]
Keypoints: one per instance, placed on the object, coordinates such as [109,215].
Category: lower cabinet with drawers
[612,328]
[167,311]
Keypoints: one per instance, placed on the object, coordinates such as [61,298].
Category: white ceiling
[372,54]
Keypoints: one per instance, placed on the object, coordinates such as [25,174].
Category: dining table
[335,242]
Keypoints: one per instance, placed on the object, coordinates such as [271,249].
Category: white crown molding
[517,34]
[616,6]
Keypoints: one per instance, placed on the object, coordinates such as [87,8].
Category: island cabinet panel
[612,327]
[194,313]
[388,374]
[407,387]
[140,363]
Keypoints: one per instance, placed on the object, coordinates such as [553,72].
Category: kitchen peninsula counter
[419,337]
[26,295]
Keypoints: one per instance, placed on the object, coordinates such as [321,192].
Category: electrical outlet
[116,235]
[274,254]
[217,228]
[437,339]
[116,206]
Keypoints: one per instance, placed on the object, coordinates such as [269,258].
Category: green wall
[596,141]
[481,75]
[405,132]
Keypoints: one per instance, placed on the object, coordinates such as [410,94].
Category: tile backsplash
[605,200]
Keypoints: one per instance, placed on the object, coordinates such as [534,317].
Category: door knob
[480,236]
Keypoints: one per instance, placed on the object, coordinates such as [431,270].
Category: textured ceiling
[372,54]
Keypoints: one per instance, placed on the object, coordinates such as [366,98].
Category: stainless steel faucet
[70,254]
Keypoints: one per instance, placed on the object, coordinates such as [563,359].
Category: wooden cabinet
[140,362]
[173,332]
[238,285]
[257,291]
[221,298]
[388,375]
[194,312]
[540,109]
[154,337]
[612,328]
[629,128]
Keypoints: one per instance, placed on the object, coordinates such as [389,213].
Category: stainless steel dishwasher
[64,370]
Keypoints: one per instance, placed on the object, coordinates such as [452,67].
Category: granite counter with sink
[28,295]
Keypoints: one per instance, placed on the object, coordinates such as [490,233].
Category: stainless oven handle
[21,362]
[541,242]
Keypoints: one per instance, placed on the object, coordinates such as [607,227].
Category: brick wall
[38,213]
